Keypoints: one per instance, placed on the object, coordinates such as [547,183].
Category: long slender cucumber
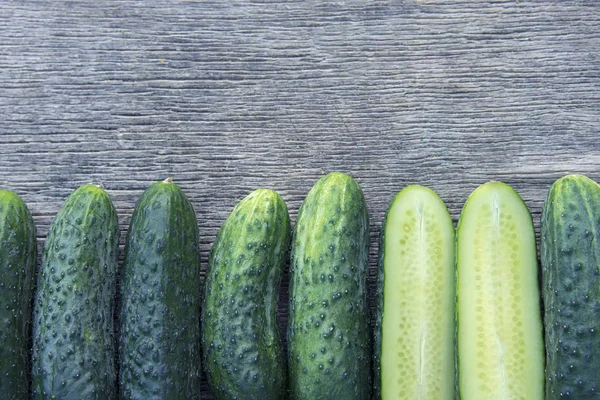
[243,352]
[500,346]
[160,299]
[328,330]
[414,336]
[17,269]
[570,253]
[73,329]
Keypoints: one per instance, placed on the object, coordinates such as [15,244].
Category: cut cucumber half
[500,345]
[415,333]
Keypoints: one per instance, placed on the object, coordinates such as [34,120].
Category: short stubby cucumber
[159,338]
[328,330]
[500,345]
[243,353]
[570,254]
[414,335]
[17,268]
[73,329]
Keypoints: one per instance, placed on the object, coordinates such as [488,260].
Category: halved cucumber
[414,348]
[500,346]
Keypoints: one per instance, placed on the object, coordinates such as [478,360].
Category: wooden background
[229,96]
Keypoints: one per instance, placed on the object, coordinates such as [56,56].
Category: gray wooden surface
[228,96]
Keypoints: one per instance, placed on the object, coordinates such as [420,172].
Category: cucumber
[243,353]
[159,342]
[500,346]
[414,335]
[73,330]
[570,255]
[18,251]
[328,331]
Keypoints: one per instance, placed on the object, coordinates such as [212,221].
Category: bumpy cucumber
[500,346]
[328,331]
[159,339]
[243,353]
[73,330]
[414,336]
[17,269]
[570,253]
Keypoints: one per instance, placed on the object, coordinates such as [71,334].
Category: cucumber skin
[243,353]
[159,343]
[570,254]
[329,336]
[377,337]
[18,252]
[73,332]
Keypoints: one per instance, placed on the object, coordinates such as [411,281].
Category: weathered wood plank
[230,96]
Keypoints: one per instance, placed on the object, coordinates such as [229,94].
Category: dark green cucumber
[328,331]
[414,335]
[159,343]
[243,353]
[17,268]
[73,330]
[500,340]
[570,254]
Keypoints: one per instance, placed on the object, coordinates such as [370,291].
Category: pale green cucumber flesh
[417,343]
[500,344]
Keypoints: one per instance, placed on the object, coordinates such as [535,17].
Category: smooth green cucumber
[414,336]
[73,330]
[159,343]
[243,353]
[570,254]
[18,251]
[500,344]
[328,330]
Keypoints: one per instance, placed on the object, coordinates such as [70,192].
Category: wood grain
[230,96]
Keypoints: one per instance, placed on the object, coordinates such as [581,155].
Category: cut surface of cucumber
[500,346]
[417,312]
